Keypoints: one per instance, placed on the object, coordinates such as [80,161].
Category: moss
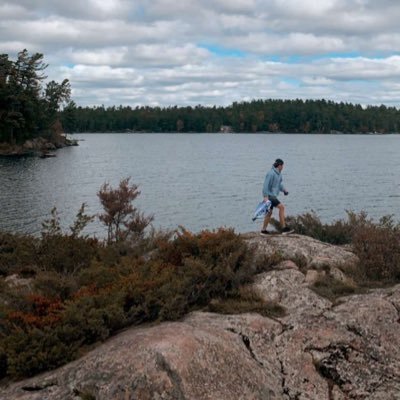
[333,289]
[84,395]
[301,261]
[246,300]
[265,263]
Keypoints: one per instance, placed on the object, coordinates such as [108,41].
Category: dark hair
[278,162]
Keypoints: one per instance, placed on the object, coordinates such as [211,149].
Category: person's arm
[283,189]
[266,185]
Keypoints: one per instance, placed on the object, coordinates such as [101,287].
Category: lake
[205,180]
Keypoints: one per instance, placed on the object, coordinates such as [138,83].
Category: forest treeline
[306,116]
[30,108]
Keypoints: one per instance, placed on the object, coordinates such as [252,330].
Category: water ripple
[204,181]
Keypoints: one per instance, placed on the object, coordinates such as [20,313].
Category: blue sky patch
[296,59]
[291,80]
[221,51]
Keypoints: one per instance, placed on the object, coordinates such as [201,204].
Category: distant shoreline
[240,133]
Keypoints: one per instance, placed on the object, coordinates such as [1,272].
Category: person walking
[272,187]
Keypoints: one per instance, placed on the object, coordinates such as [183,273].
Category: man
[272,186]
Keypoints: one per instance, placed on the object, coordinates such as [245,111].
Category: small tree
[122,219]
[81,221]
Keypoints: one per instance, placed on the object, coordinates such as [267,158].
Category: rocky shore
[40,147]
[347,348]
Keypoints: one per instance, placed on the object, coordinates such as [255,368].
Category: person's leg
[282,221]
[266,220]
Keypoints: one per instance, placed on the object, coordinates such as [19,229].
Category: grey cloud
[84,33]
[240,82]
[148,55]
[167,52]
[13,11]
[76,9]
[246,7]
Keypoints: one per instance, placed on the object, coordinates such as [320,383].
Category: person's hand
[285,192]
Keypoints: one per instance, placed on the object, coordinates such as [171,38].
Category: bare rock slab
[207,357]
[305,251]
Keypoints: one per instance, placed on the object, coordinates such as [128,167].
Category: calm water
[205,181]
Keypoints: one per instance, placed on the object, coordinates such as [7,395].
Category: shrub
[55,284]
[62,252]
[85,292]
[378,248]
[51,333]
[65,254]
[186,273]
[377,244]
[338,232]
[122,220]
[17,253]
[41,311]
[226,257]
[94,317]
[331,288]
[35,350]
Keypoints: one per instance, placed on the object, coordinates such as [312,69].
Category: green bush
[86,291]
[377,244]
[378,248]
[17,253]
[55,284]
[65,254]
[35,350]
[95,316]
[338,232]
[186,273]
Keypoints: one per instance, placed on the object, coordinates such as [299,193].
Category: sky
[211,52]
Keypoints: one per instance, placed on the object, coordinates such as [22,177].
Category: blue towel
[262,210]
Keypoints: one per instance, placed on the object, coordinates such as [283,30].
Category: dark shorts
[274,201]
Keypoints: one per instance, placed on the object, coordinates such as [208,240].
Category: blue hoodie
[273,183]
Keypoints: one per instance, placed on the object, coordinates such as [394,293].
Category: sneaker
[264,232]
[286,230]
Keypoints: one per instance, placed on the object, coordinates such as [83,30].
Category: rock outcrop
[305,251]
[321,350]
[36,147]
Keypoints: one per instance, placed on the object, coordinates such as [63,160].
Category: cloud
[166,52]
[13,11]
